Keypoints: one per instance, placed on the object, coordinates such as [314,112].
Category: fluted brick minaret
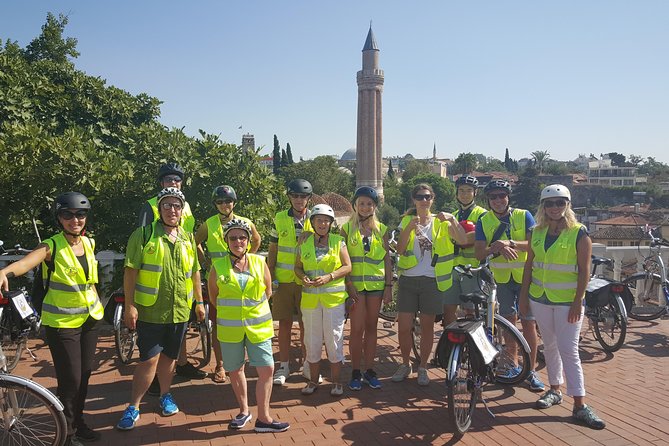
[370,87]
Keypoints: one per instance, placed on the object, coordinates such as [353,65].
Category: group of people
[319,275]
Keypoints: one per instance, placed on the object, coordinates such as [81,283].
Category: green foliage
[617,159]
[391,171]
[284,158]
[526,193]
[50,45]
[415,167]
[324,175]
[393,196]
[492,164]
[444,190]
[540,159]
[289,154]
[464,164]
[388,215]
[276,156]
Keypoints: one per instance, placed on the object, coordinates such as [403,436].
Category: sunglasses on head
[497,196]
[175,206]
[224,201]
[555,203]
[427,197]
[171,179]
[238,238]
[69,215]
[299,195]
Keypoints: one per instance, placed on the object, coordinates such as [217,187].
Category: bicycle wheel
[12,341]
[647,289]
[610,325]
[388,312]
[512,365]
[124,339]
[198,341]
[460,387]
[28,418]
[415,338]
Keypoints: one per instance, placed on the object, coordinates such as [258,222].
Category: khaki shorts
[286,301]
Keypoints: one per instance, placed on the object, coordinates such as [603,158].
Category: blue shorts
[234,354]
[153,339]
[507,296]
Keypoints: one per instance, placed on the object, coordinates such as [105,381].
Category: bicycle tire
[198,341]
[11,340]
[646,289]
[124,339]
[609,324]
[512,365]
[388,312]
[460,387]
[416,337]
[34,419]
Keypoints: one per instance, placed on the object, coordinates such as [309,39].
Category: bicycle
[605,309]
[29,413]
[650,286]
[479,349]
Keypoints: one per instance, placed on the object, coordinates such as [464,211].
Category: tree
[415,167]
[276,156]
[635,160]
[464,164]
[540,158]
[324,175]
[391,171]
[527,191]
[284,158]
[444,190]
[491,164]
[617,159]
[289,154]
[50,45]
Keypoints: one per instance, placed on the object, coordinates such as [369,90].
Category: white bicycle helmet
[322,209]
[172,192]
[236,223]
[555,191]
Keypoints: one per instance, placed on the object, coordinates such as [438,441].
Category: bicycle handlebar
[655,241]
[16,250]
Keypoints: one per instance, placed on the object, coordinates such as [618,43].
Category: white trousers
[324,325]
[560,346]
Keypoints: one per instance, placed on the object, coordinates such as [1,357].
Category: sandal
[219,375]
[309,388]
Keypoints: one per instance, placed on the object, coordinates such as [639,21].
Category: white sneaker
[281,375]
[423,379]
[306,372]
[403,371]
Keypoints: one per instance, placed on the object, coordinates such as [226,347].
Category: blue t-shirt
[529,224]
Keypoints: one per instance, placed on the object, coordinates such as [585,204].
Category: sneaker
[511,372]
[403,372]
[356,381]
[309,388]
[306,372]
[72,440]
[371,379]
[274,426]
[586,416]
[281,375]
[549,399]
[129,419]
[240,421]
[168,405]
[188,370]
[423,379]
[337,390]
[154,388]
[85,433]
[535,383]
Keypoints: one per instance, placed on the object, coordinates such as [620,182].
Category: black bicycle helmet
[70,200]
[300,186]
[467,180]
[366,191]
[497,184]
[170,169]
[224,191]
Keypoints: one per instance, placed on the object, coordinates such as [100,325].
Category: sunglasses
[171,179]
[555,203]
[224,201]
[422,197]
[238,238]
[299,195]
[69,215]
[499,196]
[175,206]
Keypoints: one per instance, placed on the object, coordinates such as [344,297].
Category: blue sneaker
[535,383]
[168,405]
[371,379]
[129,419]
[355,383]
[511,372]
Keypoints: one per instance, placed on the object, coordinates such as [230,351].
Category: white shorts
[324,325]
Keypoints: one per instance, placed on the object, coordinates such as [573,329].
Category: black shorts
[153,339]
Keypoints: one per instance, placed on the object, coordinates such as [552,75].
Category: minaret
[370,86]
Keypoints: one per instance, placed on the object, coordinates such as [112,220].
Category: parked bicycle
[650,287]
[605,309]
[479,349]
[29,413]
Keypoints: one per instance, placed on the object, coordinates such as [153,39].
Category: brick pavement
[628,389]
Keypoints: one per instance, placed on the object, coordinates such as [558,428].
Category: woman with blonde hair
[556,275]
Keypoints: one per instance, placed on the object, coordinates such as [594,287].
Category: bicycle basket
[597,293]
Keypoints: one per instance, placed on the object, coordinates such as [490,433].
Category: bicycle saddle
[477,298]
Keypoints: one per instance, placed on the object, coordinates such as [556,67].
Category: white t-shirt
[422,249]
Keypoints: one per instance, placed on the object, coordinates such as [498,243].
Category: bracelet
[332,277]
[389,285]
[199,303]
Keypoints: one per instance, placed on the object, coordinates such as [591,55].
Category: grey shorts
[153,339]
[507,296]
[419,295]
[465,286]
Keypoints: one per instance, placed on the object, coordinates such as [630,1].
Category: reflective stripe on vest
[71,297]
[286,250]
[332,293]
[467,256]
[242,312]
[555,272]
[187,219]
[367,268]
[505,269]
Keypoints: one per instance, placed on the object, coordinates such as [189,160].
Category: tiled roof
[629,208]
[618,233]
[625,220]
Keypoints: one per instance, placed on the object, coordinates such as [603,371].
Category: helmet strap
[364,219]
[226,217]
[465,206]
[166,224]
[73,234]
[501,214]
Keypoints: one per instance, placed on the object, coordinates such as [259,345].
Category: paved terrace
[630,390]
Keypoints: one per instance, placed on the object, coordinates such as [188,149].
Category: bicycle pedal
[387,325]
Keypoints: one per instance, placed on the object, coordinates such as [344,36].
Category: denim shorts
[507,296]
[234,354]
[153,339]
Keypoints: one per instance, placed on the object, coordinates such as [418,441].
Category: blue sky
[569,77]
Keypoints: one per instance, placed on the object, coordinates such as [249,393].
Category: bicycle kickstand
[485,404]
[32,355]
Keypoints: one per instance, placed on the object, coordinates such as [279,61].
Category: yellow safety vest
[367,268]
[287,247]
[148,277]
[332,293]
[242,312]
[187,219]
[442,247]
[71,297]
[467,256]
[555,271]
[216,245]
[503,269]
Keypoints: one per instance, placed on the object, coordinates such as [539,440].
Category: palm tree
[541,158]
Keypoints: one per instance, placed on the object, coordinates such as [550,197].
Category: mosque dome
[349,155]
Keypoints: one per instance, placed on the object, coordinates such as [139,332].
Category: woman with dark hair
[71,307]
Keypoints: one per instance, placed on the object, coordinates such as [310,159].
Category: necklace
[76,243]
[238,265]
